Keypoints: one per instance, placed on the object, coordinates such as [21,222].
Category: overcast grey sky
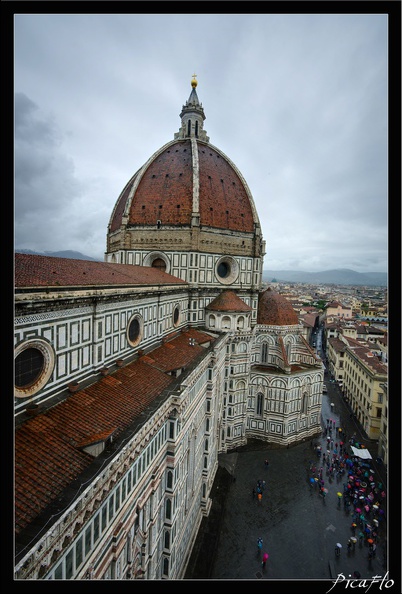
[299,102]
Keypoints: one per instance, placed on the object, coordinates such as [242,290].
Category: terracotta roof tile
[228,301]
[47,447]
[275,310]
[47,271]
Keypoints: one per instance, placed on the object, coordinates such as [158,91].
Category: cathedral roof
[187,182]
[33,270]
[228,301]
[275,310]
[48,448]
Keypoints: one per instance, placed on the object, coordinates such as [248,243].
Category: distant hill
[342,276]
[65,254]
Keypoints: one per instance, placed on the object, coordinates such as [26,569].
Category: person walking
[264,560]
[259,544]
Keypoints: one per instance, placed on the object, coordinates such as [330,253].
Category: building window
[167,539]
[135,330]
[176,316]
[33,366]
[169,479]
[168,509]
[259,403]
[264,352]
[226,270]
[159,264]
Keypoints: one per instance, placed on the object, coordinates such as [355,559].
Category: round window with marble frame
[226,270]
[176,315]
[34,362]
[135,329]
[154,259]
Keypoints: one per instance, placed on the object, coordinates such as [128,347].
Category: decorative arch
[226,323]
[156,260]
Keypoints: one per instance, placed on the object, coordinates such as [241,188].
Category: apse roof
[275,310]
[228,301]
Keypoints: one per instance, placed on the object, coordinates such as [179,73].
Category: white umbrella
[338,544]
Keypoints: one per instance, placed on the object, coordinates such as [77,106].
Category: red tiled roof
[165,191]
[47,447]
[47,271]
[275,310]
[228,301]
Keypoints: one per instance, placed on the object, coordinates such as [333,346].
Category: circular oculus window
[135,330]
[176,316]
[227,270]
[33,365]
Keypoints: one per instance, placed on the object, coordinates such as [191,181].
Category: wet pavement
[299,528]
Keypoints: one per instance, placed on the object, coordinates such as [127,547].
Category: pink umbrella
[358,510]
[367,508]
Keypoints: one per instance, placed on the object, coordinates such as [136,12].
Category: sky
[298,102]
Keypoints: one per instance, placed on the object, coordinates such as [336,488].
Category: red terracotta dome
[188,196]
[275,310]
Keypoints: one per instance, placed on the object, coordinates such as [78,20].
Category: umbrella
[361,497]
[353,539]
[325,490]
[370,540]
[339,494]
[375,507]
[359,511]
[311,480]
[367,508]
[316,479]
[338,544]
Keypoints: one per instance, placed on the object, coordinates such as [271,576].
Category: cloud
[299,103]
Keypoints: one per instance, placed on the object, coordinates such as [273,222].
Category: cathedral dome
[275,310]
[189,193]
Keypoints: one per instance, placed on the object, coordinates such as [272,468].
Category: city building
[132,375]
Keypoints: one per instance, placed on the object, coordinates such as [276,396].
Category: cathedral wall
[139,515]
[77,342]
[199,268]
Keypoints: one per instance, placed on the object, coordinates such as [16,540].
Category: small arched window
[260,398]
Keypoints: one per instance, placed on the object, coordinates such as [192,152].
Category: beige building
[364,376]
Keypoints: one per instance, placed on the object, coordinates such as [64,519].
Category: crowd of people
[337,462]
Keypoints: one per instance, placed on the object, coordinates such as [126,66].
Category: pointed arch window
[304,403]
[260,401]
[264,352]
